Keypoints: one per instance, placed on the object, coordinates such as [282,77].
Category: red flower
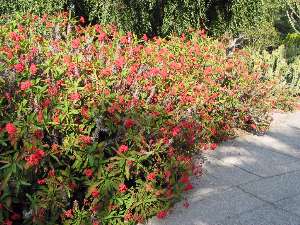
[33,69]
[168,174]
[51,173]
[151,176]
[11,129]
[52,91]
[75,96]
[88,172]
[72,185]
[7,222]
[145,38]
[95,208]
[40,153]
[15,216]
[120,62]
[213,146]
[41,181]
[162,214]
[128,123]
[68,213]
[253,126]
[25,85]
[95,193]
[122,149]
[85,112]
[82,20]
[207,71]
[184,179]
[8,96]
[40,116]
[175,131]
[39,134]
[101,36]
[188,187]
[122,188]
[128,217]
[19,67]
[75,43]
[85,139]
[46,103]
[34,159]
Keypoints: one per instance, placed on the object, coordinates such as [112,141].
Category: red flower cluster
[33,69]
[213,146]
[19,67]
[35,158]
[95,193]
[68,213]
[75,43]
[25,85]
[122,149]
[128,123]
[151,176]
[75,96]
[122,188]
[41,181]
[11,129]
[86,139]
[88,172]
[162,214]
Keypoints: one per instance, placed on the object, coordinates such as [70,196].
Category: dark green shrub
[255,19]
[161,17]
[148,16]
[35,6]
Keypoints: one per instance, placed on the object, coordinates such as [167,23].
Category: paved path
[252,180]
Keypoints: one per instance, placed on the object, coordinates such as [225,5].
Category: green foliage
[292,46]
[293,14]
[178,16]
[38,7]
[282,64]
[127,15]
[149,16]
[255,20]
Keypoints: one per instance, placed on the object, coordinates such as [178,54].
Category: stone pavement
[251,180]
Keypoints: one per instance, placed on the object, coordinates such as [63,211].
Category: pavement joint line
[286,198]
[281,174]
[269,202]
[245,170]
[219,191]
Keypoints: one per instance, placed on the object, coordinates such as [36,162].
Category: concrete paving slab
[255,158]
[228,203]
[266,215]
[227,173]
[275,188]
[291,204]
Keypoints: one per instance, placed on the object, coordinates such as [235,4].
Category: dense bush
[255,19]
[36,6]
[293,14]
[283,65]
[161,17]
[98,126]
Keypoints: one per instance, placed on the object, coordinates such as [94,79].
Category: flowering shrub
[98,127]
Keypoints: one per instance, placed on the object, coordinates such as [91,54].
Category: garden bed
[98,126]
